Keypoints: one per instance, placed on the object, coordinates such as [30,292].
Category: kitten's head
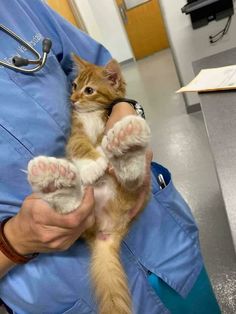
[96,87]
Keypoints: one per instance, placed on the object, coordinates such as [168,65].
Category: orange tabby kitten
[89,151]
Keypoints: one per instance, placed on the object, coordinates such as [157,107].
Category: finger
[88,222]
[87,203]
[79,215]
[140,203]
[149,156]
[33,196]
[144,189]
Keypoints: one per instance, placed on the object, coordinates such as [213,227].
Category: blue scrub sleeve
[67,38]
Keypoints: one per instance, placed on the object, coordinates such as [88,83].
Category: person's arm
[38,228]
[119,111]
[32,229]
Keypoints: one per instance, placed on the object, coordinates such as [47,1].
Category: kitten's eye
[74,86]
[88,90]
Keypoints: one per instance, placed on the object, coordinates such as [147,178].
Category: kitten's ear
[113,72]
[81,64]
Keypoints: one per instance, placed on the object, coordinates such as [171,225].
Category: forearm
[119,111]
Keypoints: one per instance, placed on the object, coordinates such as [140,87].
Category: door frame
[125,32]
[77,15]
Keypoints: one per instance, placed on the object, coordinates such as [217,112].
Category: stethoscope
[18,62]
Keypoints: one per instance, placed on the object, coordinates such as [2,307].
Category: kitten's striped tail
[109,278]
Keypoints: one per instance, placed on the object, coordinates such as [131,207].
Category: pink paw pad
[47,174]
[131,132]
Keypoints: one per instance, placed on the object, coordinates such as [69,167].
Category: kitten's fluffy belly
[104,191]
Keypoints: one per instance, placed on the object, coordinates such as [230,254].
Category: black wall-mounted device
[204,11]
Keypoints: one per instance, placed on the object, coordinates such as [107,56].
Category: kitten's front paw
[48,174]
[91,170]
[129,134]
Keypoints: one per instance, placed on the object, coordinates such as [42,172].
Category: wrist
[124,108]
[138,109]
[119,111]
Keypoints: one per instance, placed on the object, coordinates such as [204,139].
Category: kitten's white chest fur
[93,124]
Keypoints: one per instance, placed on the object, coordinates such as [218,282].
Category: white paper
[223,78]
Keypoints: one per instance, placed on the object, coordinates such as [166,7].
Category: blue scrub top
[35,120]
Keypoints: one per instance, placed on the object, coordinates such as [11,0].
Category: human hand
[39,228]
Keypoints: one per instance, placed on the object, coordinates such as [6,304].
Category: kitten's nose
[73,98]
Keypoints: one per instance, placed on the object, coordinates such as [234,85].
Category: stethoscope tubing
[39,60]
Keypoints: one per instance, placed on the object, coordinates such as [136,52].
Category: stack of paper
[212,80]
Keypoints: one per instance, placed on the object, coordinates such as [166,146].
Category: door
[63,7]
[144,26]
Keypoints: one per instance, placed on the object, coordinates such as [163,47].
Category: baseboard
[126,61]
[193,108]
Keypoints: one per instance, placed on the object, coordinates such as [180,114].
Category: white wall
[103,22]
[189,45]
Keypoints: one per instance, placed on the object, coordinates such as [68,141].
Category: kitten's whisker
[25,171]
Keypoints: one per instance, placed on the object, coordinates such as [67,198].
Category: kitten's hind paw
[125,146]
[57,181]
[129,134]
[48,174]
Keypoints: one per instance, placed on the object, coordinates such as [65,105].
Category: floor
[180,143]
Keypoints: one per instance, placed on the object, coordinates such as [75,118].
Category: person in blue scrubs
[160,254]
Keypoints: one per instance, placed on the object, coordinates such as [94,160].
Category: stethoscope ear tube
[18,62]
[47,45]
